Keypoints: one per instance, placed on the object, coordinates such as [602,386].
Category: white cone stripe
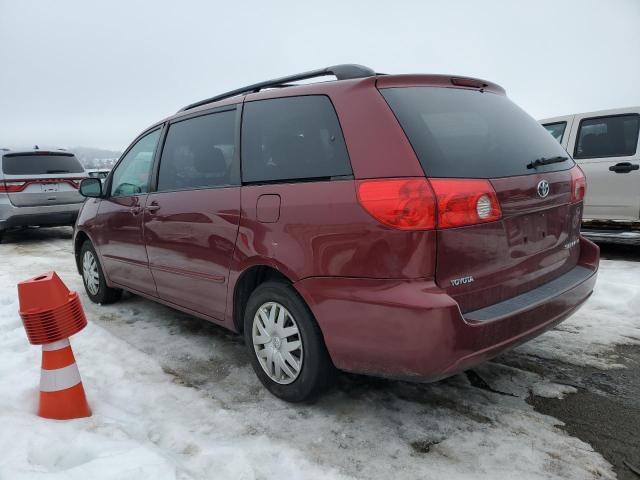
[59,379]
[60,344]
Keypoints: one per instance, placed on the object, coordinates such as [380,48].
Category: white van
[605,145]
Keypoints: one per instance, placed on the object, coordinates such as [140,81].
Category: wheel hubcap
[277,342]
[90,273]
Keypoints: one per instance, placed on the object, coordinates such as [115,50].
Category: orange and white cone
[61,392]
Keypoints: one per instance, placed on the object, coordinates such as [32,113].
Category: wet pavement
[605,412]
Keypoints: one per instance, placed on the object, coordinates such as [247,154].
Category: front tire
[93,278]
[285,344]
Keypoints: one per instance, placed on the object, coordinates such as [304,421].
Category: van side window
[199,153]
[615,136]
[556,130]
[293,138]
[131,176]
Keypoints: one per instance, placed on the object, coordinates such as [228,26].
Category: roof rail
[341,72]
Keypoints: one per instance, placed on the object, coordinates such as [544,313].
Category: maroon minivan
[406,226]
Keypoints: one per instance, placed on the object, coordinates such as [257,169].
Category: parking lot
[175,397]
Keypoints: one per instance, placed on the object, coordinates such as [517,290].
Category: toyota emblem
[543,188]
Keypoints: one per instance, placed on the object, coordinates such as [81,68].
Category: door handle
[624,167]
[135,210]
[153,207]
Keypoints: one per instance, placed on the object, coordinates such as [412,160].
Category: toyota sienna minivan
[404,226]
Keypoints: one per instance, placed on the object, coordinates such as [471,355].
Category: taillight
[421,204]
[402,203]
[578,184]
[9,186]
[465,202]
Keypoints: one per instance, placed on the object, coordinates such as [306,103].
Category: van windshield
[463,133]
[40,164]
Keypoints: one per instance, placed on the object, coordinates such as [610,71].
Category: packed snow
[174,397]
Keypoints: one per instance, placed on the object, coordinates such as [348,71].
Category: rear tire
[93,277]
[285,344]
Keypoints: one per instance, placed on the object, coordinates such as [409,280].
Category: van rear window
[292,139]
[463,133]
[40,164]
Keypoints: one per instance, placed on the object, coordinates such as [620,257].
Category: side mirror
[91,187]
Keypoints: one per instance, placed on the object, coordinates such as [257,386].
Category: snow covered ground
[175,397]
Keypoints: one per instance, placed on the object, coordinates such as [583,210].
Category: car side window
[292,138]
[556,130]
[199,153]
[614,136]
[131,176]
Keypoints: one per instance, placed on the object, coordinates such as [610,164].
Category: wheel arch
[79,239]
[247,282]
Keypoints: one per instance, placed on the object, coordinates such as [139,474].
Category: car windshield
[471,134]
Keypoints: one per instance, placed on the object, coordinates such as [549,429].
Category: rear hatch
[41,178]
[460,134]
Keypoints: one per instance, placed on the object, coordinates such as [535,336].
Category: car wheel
[93,277]
[285,344]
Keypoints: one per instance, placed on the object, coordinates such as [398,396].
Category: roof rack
[341,72]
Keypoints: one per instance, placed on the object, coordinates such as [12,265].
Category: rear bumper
[413,330]
[47,215]
[623,237]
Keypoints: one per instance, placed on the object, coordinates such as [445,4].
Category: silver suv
[39,188]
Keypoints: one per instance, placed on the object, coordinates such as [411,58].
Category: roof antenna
[36,147]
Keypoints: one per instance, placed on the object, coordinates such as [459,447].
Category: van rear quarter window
[292,138]
[39,164]
[462,133]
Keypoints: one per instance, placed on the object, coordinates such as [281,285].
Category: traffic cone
[51,314]
[61,392]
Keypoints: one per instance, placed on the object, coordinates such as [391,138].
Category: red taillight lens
[11,187]
[578,185]
[403,203]
[421,204]
[465,202]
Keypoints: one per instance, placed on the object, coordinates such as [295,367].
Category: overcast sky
[96,73]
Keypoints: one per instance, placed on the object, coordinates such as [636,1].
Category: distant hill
[96,157]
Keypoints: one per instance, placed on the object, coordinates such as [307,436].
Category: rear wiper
[546,161]
[57,171]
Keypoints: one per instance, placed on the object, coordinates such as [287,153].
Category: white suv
[605,145]
[39,188]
